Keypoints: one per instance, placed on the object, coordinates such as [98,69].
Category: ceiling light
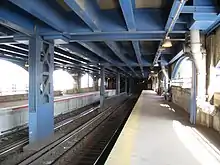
[167,43]
[26,65]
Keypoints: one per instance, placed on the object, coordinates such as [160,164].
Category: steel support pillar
[118,84]
[166,78]
[96,83]
[79,81]
[193,109]
[126,85]
[102,86]
[130,86]
[41,97]
[199,74]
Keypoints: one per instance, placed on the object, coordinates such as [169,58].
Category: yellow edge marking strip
[122,152]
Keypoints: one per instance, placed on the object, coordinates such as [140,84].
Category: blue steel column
[118,84]
[126,85]
[40,98]
[130,86]
[193,109]
[79,81]
[102,86]
[199,74]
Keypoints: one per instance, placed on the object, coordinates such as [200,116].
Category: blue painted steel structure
[118,84]
[193,104]
[102,86]
[124,36]
[126,85]
[40,98]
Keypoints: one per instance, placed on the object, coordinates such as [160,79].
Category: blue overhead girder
[175,11]
[87,12]
[127,10]
[55,23]
[95,49]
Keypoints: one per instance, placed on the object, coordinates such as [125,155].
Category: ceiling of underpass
[123,35]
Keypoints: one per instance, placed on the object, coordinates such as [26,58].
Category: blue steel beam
[12,18]
[127,10]
[200,9]
[95,49]
[175,11]
[176,57]
[22,51]
[133,64]
[126,36]
[69,48]
[78,52]
[15,21]
[119,53]
[136,47]
[85,10]
[14,50]
[43,11]
[215,25]
[17,51]
[14,56]
[7,40]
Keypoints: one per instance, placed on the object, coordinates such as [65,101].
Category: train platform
[4,105]
[158,133]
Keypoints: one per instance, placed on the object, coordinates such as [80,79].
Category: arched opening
[213,84]
[86,81]
[184,86]
[14,79]
[63,81]
[182,74]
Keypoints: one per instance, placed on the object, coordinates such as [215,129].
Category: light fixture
[26,64]
[167,43]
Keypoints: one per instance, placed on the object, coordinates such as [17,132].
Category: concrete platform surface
[157,133]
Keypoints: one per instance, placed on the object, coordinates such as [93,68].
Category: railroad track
[21,138]
[56,151]
[51,153]
[99,146]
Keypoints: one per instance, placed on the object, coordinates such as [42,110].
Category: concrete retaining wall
[207,115]
[17,116]
[181,97]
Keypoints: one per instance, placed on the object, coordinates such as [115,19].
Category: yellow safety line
[122,151]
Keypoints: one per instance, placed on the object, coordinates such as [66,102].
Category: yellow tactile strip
[125,143]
